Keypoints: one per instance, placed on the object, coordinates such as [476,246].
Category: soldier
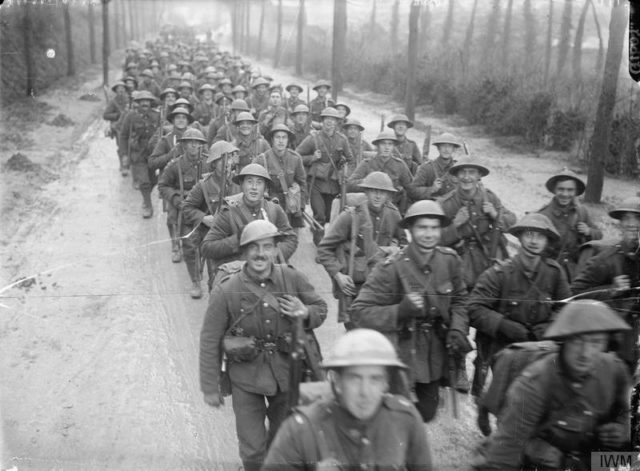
[320,102]
[363,426]
[177,179]
[249,142]
[225,86]
[479,219]
[138,127]
[260,97]
[432,179]
[511,301]
[294,99]
[148,83]
[167,147]
[221,242]
[289,180]
[206,109]
[239,93]
[185,90]
[360,148]
[405,148]
[618,268]
[384,161]
[229,131]
[251,316]
[324,154]
[223,104]
[301,124]
[567,404]
[117,108]
[571,219]
[367,227]
[172,80]
[344,111]
[417,299]
[274,114]
[168,98]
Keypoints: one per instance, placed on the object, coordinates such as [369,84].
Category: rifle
[313,224]
[382,122]
[426,145]
[352,255]
[223,187]
[451,364]
[180,214]
[199,261]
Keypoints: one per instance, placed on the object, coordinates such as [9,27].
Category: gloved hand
[613,435]
[176,201]
[412,305]
[214,400]
[514,331]
[456,341]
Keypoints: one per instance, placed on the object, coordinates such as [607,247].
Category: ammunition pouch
[239,348]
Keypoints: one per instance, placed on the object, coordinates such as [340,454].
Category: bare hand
[489,208]
[346,284]
[417,300]
[461,217]
[208,220]
[437,184]
[612,435]
[317,155]
[621,282]
[583,228]
[292,306]
[214,400]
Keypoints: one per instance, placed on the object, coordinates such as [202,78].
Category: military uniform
[215,125]
[166,150]
[420,340]
[394,438]
[204,113]
[409,152]
[116,110]
[249,147]
[152,87]
[300,133]
[245,307]
[474,252]
[421,187]
[291,103]
[565,218]
[375,229]
[316,106]
[323,174]
[550,420]
[221,242]
[271,117]
[394,167]
[358,148]
[259,102]
[288,167]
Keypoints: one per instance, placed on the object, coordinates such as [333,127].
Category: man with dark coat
[293,99]
[301,127]
[321,101]
[116,110]
[405,148]
[248,140]
[432,179]
[360,148]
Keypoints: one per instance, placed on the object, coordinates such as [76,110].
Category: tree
[448,23]
[565,37]
[425,28]
[576,60]
[71,67]
[599,148]
[28,60]
[105,41]
[491,33]
[412,55]
[261,29]
[92,34]
[468,38]
[530,34]
[132,24]
[339,45]
[547,49]
[300,38]
[277,52]
[506,36]
[600,60]
[393,31]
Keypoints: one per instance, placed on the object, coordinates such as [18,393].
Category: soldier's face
[275,98]
[468,178]
[361,389]
[170,98]
[280,140]
[329,123]
[300,118]
[192,147]
[294,92]
[245,127]
[239,95]
[144,105]
[261,89]
[446,150]
[580,352]
[377,198]
[121,91]
[565,191]
[400,128]
[426,232]
[533,242]
[226,89]
[253,188]
[385,147]
[260,255]
[352,132]
[185,92]
[342,111]
[207,95]
[322,91]
[630,225]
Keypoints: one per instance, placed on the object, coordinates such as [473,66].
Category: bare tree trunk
[600,61]
[234,27]
[261,29]
[599,148]
[530,35]
[490,35]
[466,50]
[300,38]
[448,23]
[105,42]
[114,26]
[71,68]
[576,62]
[276,56]
[132,23]
[412,54]
[506,36]
[393,31]
[92,34]
[247,28]
[28,60]
[339,45]
[547,49]
[424,32]
[565,37]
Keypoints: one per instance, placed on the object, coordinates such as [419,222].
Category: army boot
[196,290]
[483,421]
[147,207]
[176,254]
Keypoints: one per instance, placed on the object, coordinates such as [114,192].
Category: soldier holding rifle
[250,318]
[432,179]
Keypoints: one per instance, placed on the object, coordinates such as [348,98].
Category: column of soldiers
[415,250]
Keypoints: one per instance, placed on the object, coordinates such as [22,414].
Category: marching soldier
[479,220]
[320,102]
[301,125]
[344,111]
[221,242]
[248,140]
[432,179]
[115,113]
[273,115]
[167,147]
[168,97]
[239,92]
[294,99]
[360,148]
[618,268]
[362,427]
[185,90]
[260,97]
[570,218]
[206,109]
[417,299]
[229,131]
[251,317]
[288,178]
[177,179]
[405,148]
[138,127]
[148,83]
[568,404]
[225,86]
[511,301]
[324,154]
[367,228]
[223,104]
[385,161]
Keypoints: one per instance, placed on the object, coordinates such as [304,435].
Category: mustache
[260,258]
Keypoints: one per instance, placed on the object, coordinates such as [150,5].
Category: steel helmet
[185,84]
[224,81]
[385,136]
[280,127]
[362,347]
[145,95]
[566,174]
[585,316]
[258,230]
[353,122]
[192,134]
[182,103]
[446,138]
[180,110]
[260,81]
[219,96]
[166,91]
[239,105]
[535,222]
[245,116]
[322,83]
[239,88]
[424,208]
[255,170]
[218,149]
[378,181]
[300,109]
[629,205]
[147,73]
[293,85]
[119,83]
[346,107]
[400,118]
[206,86]
[468,163]
[330,112]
